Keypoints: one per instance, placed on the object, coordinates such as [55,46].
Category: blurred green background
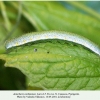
[17,18]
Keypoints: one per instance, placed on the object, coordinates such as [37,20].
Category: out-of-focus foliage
[17,18]
[11,78]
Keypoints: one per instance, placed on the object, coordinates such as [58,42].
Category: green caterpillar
[62,35]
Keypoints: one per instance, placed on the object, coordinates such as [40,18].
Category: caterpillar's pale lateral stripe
[31,37]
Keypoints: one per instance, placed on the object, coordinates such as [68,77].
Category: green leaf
[56,65]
